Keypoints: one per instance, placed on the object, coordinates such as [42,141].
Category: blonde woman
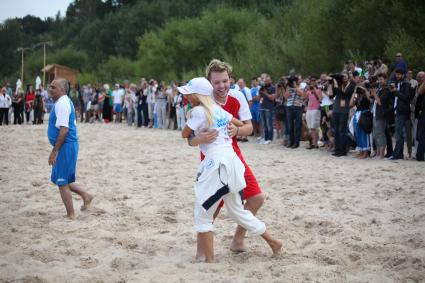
[220,174]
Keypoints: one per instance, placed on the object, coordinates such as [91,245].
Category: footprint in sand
[71,252]
[88,262]
[30,279]
[117,263]
[354,257]
[128,244]
[170,219]
[95,211]
[42,256]
[328,260]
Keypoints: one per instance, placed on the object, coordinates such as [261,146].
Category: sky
[38,8]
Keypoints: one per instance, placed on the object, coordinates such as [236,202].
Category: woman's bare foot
[276,246]
[87,202]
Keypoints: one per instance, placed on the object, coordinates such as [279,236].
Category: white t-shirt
[244,112]
[198,121]
[62,111]
[4,101]
[247,93]
[118,94]
[150,93]
[326,101]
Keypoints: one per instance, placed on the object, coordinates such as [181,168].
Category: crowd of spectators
[365,108]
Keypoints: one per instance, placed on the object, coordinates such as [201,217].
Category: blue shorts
[255,112]
[63,172]
[117,107]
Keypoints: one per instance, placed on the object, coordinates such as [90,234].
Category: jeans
[267,123]
[409,137]
[341,130]
[130,115]
[294,117]
[140,115]
[181,121]
[286,130]
[161,111]
[389,131]
[400,123]
[4,116]
[420,136]
[17,113]
[86,112]
[28,115]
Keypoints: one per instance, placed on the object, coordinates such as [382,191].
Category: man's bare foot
[70,216]
[200,258]
[87,202]
[237,246]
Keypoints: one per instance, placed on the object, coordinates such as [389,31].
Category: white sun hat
[197,85]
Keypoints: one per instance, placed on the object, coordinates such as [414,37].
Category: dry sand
[341,220]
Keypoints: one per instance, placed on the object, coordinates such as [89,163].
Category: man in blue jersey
[62,134]
[255,107]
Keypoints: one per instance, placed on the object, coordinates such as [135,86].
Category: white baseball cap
[197,85]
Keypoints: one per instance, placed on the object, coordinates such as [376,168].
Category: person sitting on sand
[221,173]
[62,134]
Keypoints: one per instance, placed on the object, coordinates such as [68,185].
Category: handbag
[366,121]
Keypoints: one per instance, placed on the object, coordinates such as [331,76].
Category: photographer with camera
[382,109]
[268,97]
[420,110]
[403,95]
[362,121]
[280,111]
[313,98]
[326,108]
[294,101]
[416,106]
[341,89]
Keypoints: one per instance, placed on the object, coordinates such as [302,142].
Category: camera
[336,77]
[360,91]
[281,83]
[263,89]
[372,82]
[291,81]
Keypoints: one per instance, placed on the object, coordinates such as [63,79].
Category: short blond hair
[218,66]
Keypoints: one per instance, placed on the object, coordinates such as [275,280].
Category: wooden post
[44,65]
[22,70]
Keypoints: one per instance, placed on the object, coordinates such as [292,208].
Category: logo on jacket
[210,164]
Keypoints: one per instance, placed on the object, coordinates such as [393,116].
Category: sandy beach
[341,219]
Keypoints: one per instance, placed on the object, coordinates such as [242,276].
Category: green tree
[117,69]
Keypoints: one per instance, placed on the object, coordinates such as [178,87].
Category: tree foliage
[116,39]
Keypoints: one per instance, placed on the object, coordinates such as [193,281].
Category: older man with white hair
[62,134]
